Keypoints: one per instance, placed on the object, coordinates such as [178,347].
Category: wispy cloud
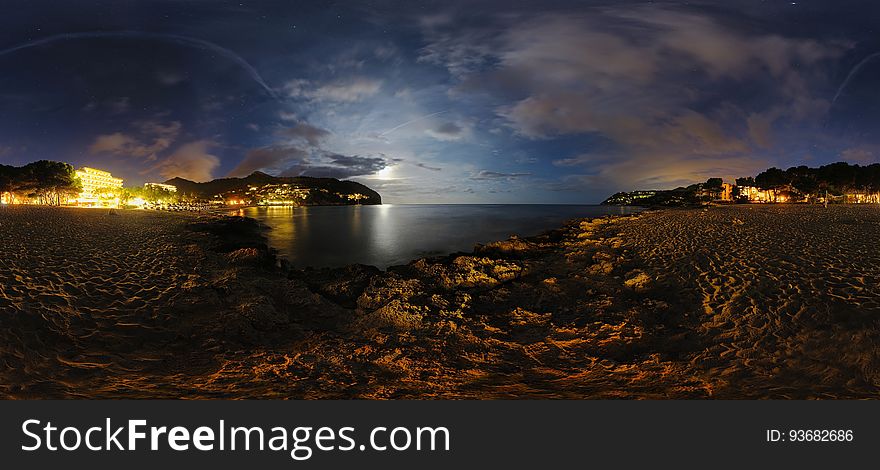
[486,175]
[342,91]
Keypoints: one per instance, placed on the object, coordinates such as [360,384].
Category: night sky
[461,102]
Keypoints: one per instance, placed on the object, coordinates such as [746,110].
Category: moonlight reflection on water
[387,235]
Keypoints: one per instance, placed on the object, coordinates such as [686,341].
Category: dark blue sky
[476,101]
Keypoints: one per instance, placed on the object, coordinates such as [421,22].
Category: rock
[383,290]
[251,321]
[469,271]
[396,314]
[341,285]
[513,245]
[247,257]
[304,306]
[261,313]
[603,263]
[637,280]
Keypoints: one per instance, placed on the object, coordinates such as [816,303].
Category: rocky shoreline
[560,315]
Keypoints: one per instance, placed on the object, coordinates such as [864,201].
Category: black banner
[514,434]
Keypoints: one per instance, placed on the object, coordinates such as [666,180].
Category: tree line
[837,179]
[45,181]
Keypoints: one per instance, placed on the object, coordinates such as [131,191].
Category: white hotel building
[97,188]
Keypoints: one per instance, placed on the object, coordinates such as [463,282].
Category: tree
[839,177]
[714,183]
[47,181]
[8,175]
[772,178]
[747,181]
[50,181]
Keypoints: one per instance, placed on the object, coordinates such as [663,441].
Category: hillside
[322,191]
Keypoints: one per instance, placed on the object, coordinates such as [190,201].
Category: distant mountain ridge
[324,191]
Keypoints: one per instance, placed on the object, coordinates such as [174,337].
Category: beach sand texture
[787,297]
[729,302]
[87,292]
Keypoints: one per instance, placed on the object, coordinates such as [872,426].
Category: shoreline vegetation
[766,301]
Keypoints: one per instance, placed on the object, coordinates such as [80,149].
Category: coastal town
[59,184]
[838,183]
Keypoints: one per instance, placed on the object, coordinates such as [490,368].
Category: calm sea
[389,234]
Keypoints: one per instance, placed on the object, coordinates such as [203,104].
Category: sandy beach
[785,299]
[730,302]
[94,298]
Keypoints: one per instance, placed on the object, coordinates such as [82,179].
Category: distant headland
[59,184]
[262,189]
[839,183]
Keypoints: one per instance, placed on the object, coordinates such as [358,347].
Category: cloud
[345,91]
[169,78]
[334,165]
[646,80]
[760,128]
[191,161]
[300,150]
[286,116]
[120,105]
[461,51]
[145,141]
[446,131]
[303,131]
[269,159]
[288,160]
[385,51]
[578,160]
[861,155]
[486,175]
[427,167]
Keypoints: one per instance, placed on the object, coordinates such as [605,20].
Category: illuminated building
[275,195]
[723,193]
[727,192]
[862,197]
[98,188]
[782,194]
[162,186]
